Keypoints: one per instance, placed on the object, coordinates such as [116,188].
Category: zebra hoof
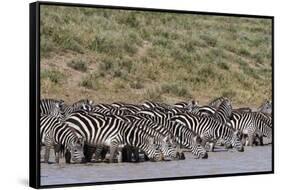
[241,149]
[182,156]
[205,156]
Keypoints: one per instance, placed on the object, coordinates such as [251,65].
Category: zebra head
[266,107]
[187,137]
[197,149]
[235,141]
[168,148]
[153,151]
[76,150]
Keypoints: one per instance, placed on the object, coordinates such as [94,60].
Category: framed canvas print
[123,94]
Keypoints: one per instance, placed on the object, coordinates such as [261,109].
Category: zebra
[245,123]
[112,131]
[182,135]
[51,107]
[203,110]
[209,129]
[54,133]
[223,115]
[263,124]
[83,104]
[216,102]
[266,107]
[189,105]
[153,105]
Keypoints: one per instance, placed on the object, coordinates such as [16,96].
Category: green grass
[143,55]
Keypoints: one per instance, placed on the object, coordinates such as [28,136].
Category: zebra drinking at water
[182,135]
[54,133]
[209,129]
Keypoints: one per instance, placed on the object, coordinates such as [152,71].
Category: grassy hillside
[115,55]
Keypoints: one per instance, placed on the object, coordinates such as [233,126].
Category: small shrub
[118,84]
[73,45]
[223,65]
[211,41]
[154,94]
[207,72]
[52,75]
[78,64]
[229,94]
[174,88]
[244,51]
[90,82]
[136,84]
[106,65]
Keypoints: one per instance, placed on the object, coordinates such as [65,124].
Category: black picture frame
[34,92]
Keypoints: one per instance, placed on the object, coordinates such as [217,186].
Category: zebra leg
[250,139]
[67,157]
[136,154]
[244,140]
[47,154]
[113,149]
[88,152]
[57,153]
[212,146]
[98,152]
[103,152]
[261,140]
[124,154]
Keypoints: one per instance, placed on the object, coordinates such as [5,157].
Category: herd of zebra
[85,131]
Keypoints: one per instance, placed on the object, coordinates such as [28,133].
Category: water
[254,159]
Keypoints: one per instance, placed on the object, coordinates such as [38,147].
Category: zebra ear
[58,105]
[91,102]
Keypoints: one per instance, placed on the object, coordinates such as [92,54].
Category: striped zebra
[266,107]
[51,107]
[263,124]
[54,133]
[189,105]
[182,135]
[83,104]
[216,102]
[112,132]
[209,129]
[203,110]
[153,105]
[223,115]
[245,123]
